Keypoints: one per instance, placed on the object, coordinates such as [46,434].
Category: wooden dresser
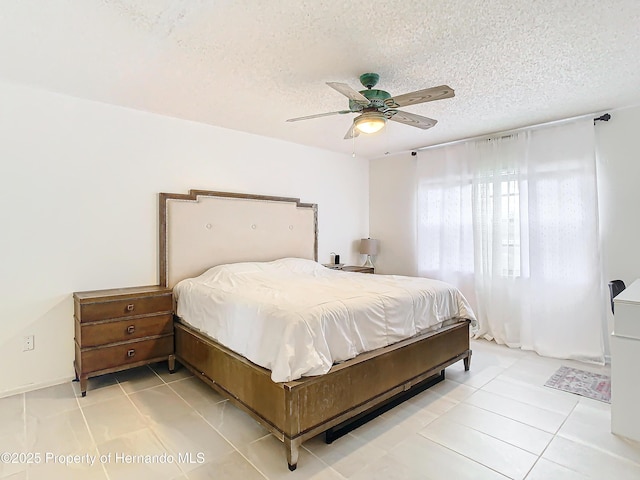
[122,328]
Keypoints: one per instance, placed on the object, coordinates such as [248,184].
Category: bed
[203,233]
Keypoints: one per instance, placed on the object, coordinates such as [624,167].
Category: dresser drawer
[88,312]
[102,333]
[103,358]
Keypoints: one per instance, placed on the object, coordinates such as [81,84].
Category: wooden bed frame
[234,227]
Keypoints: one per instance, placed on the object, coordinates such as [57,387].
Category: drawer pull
[131,328]
[131,353]
[130,307]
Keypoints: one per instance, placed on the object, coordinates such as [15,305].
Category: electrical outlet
[28,343]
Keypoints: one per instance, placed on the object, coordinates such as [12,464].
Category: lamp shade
[368,246]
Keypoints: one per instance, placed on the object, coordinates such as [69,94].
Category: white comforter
[297,318]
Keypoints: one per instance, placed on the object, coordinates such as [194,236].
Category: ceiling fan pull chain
[353,138]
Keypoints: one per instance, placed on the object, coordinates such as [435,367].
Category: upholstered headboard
[202,229]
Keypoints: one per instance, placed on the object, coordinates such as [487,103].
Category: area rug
[587,384]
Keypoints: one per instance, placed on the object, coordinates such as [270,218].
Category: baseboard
[30,387]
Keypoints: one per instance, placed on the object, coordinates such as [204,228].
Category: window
[446,227]
[497,204]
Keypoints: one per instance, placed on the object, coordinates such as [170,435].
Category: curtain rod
[604,117]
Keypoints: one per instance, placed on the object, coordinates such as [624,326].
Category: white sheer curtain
[513,222]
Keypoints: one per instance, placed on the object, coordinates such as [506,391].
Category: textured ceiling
[250,65]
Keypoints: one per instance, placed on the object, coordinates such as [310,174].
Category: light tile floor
[496,421]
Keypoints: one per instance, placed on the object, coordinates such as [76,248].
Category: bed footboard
[298,410]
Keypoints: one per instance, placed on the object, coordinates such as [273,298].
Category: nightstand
[353,268]
[122,328]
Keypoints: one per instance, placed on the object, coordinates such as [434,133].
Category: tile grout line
[440,415]
[86,423]
[493,436]
[198,413]
[513,419]
[465,456]
[547,446]
[216,430]
[554,393]
[325,463]
[477,461]
[593,446]
[126,394]
[522,403]
[538,456]
[144,417]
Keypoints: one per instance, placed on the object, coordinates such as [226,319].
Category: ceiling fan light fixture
[370,122]
[374,107]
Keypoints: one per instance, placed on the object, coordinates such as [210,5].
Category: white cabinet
[625,364]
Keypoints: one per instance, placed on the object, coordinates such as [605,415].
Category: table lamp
[368,247]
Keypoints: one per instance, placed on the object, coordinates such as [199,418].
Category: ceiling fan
[375,107]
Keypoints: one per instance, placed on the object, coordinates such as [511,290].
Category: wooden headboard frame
[204,228]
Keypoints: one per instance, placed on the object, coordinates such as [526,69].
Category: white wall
[392,213]
[619,196]
[392,208]
[78,190]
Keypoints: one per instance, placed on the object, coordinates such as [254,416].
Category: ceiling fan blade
[318,115]
[353,132]
[413,120]
[349,92]
[420,96]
